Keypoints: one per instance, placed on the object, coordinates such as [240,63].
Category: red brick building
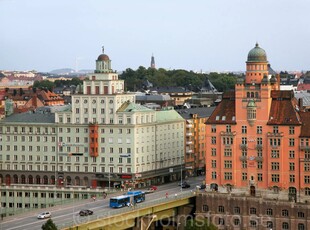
[258,136]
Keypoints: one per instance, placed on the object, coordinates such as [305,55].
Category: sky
[198,35]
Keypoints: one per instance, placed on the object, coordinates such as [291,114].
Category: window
[301,226]
[214,177]
[292,178]
[213,140]
[213,129]
[259,176]
[244,176]
[291,130]
[236,210]
[292,154]
[205,208]
[285,225]
[259,129]
[227,164]
[244,140]
[213,152]
[275,166]
[228,128]
[275,178]
[237,221]
[269,212]
[253,223]
[307,191]
[284,212]
[244,164]
[307,179]
[227,152]
[228,176]
[275,129]
[269,224]
[291,142]
[275,154]
[301,214]
[244,129]
[259,141]
[221,209]
[213,163]
[292,166]
[252,210]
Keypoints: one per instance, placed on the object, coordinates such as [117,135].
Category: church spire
[153,62]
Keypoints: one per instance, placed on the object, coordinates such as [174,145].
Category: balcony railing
[259,146]
[189,134]
[189,142]
[243,146]
[259,159]
[189,125]
[228,133]
[304,147]
[243,158]
[189,151]
[275,134]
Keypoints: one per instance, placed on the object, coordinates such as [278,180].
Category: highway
[64,216]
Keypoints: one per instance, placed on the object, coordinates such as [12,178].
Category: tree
[49,225]
[199,224]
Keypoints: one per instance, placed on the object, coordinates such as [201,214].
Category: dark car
[203,186]
[85,212]
[185,185]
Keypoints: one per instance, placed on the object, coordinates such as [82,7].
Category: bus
[130,198]
[119,201]
[138,196]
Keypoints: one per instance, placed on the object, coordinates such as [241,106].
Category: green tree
[45,84]
[199,224]
[49,225]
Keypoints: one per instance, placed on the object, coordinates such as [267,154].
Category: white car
[44,215]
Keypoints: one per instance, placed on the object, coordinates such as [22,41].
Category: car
[86,212]
[153,187]
[185,185]
[203,186]
[44,215]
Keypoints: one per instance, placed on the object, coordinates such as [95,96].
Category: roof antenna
[103,49]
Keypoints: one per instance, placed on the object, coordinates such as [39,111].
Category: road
[64,215]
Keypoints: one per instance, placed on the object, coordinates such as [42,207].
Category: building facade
[258,136]
[103,139]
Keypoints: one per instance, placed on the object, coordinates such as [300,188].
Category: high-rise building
[102,139]
[258,136]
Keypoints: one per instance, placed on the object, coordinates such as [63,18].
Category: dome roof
[257,54]
[103,57]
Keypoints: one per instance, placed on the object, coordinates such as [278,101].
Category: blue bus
[131,197]
[119,201]
[138,196]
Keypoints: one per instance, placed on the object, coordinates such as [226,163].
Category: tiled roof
[30,117]
[202,112]
[284,109]
[225,112]
[305,127]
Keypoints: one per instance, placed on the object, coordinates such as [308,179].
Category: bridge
[143,216]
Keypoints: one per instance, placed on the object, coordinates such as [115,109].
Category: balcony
[243,158]
[243,146]
[228,133]
[259,159]
[304,147]
[258,147]
[189,151]
[189,142]
[189,126]
[189,134]
[275,134]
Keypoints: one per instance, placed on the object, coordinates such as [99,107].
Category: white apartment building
[103,139]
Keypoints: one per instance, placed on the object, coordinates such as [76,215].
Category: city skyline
[205,36]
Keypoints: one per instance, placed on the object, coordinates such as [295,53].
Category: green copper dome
[257,54]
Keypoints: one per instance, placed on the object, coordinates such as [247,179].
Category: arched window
[301,226]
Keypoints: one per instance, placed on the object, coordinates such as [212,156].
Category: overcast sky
[194,35]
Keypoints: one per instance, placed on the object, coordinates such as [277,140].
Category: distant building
[195,150]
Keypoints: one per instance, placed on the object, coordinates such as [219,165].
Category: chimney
[300,103]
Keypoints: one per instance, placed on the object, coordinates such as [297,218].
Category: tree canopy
[134,80]
[49,225]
